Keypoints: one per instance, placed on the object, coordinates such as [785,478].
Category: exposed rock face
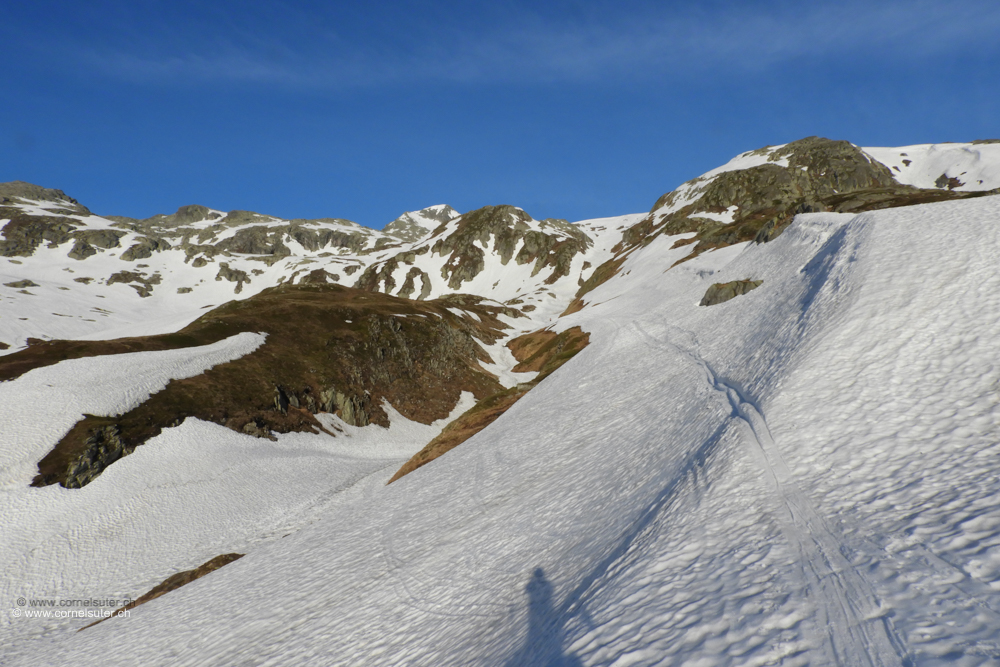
[800,174]
[185,215]
[138,281]
[314,239]
[721,292]
[232,275]
[415,225]
[102,447]
[256,240]
[329,349]
[24,233]
[21,284]
[145,248]
[19,190]
[505,231]
[552,245]
[758,202]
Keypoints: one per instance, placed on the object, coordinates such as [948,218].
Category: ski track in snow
[805,475]
[847,608]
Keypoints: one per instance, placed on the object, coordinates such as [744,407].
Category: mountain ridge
[753,424]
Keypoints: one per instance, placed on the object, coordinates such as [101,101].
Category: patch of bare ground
[329,349]
[543,351]
[172,583]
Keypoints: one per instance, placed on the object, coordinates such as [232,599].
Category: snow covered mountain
[601,471]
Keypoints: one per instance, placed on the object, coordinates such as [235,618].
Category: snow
[42,405]
[976,166]
[806,474]
[191,493]
[748,160]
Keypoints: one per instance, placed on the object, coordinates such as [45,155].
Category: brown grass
[370,347]
[174,582]
[543,351]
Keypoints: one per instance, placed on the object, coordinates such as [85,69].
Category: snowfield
[808,474]
[972,166]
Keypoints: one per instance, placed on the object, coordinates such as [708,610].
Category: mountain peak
[412,226]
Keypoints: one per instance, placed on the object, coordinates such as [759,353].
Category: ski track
[848,612]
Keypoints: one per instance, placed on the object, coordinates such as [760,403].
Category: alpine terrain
[758,424]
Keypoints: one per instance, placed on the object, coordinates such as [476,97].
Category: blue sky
[567,109]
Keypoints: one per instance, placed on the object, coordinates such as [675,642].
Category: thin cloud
[639,47]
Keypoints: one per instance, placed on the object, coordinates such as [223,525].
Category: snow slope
[807,474]
[187,495]
[974,166]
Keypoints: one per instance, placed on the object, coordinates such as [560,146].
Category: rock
[140,282]
[233,276]
[145,248]
[319,277]
[548,243]
[21,284]
[950,182]
[82,250]
[186,215]
[317,239]
[28,191]
[415,225]
[256,240]
[103,447]
[410,282]
[101,238]
[24,233]
[721,292]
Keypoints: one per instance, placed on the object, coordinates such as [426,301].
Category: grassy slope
[329,348]
[542,351]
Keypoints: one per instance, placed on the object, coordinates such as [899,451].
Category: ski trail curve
[857,632]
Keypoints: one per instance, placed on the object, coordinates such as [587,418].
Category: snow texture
[806,474]
[974,166]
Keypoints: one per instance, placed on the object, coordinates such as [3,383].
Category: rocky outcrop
[415,225]
[102,447]
[21,284]
[721,292]
[19,191]
[329,349]
[232,275]
[140,282]
[23,233]
[462,243]
[314,238]
[757,203]
[145,248]
[409,284]
[256,240]
[548,243]
[797,176]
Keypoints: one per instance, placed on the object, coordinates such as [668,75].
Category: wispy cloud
[643,45]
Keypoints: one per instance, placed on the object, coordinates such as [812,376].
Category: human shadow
[546,622]
[543,643]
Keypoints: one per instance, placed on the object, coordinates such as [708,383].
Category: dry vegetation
[329,349]
[542,351]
